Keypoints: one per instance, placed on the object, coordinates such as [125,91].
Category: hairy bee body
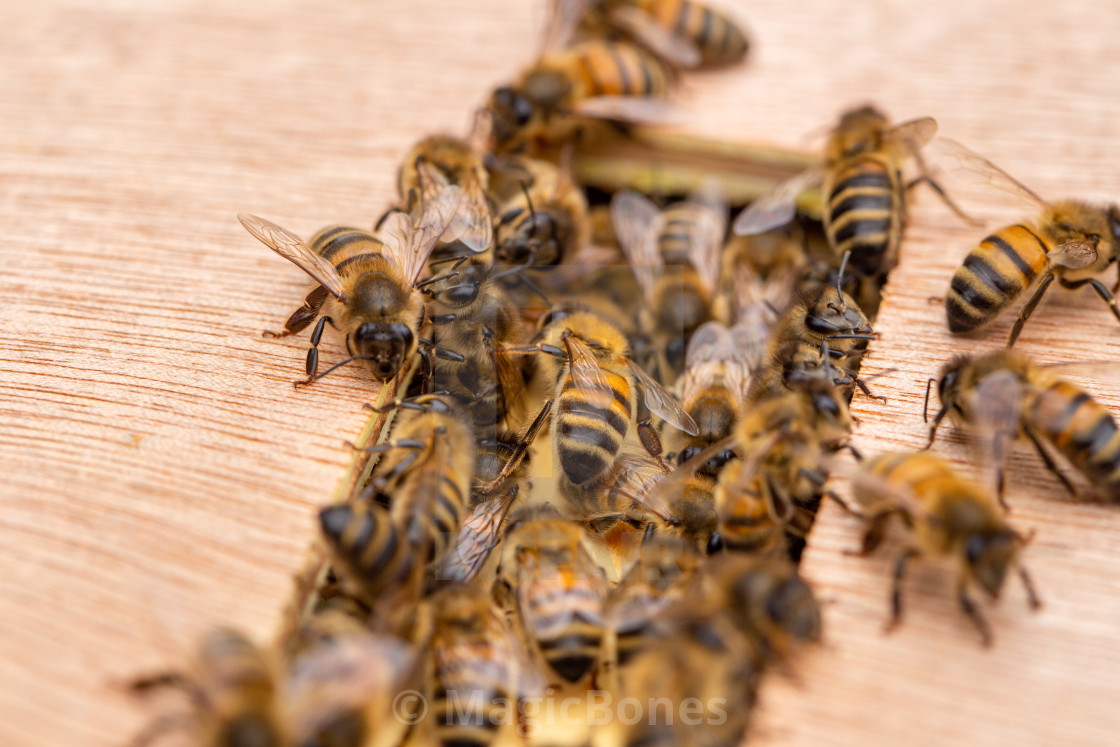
[542,218]
[865,211]
[746,522]
[1011,260]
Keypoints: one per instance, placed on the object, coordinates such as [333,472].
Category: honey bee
[594,404]
[558,591]
[948,516]
[812,340]
[714,386]
[682,32]
[675,256]
[1068,240]
[333,694]
[366,282]
[865,212]
[601,79]
[457,163]
[544,220]
[426,478]
[1008,396]
[479,668]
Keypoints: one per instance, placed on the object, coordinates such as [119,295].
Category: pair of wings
[779,207]
[716,350]
[471,223]
[566,16]
[480,533]
[638,223]
[408,238]
[589,380]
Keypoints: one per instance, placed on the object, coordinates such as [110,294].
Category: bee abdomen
[572,654]
[993,275]
[861,216]
[1083,430]
[368,547]
[589,436]
[610,69]
[344,247]
[467,706]
[719,40]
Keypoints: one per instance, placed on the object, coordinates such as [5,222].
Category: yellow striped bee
[559,593]
[1068,240]
[948,516]
[865,208]
[1008,396]
[675,256]
[366,282]
[425,478]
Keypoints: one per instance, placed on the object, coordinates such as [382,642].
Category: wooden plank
[161,475]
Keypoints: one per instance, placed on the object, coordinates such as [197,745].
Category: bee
[333,694]
[812,340]
[675,256]
[594,402]
[457,163]
[543,219]
[366,282]
[948,516]
[1068,240]
[865,209]
[683,33]
[610,80]
[714,386]
[559,593]
[425,478]
[479,668]
[1008,396]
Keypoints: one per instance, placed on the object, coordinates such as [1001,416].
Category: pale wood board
[160,474]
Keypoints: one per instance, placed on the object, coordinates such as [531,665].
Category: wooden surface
[160,473]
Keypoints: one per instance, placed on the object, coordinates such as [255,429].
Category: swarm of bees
[608,446]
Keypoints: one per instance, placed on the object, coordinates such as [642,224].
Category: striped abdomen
[610,69]
[680,231]
[472,687]
[565,617]
[589,434]
[350,250]
[430,505]
[864,215]
[745,522]
[797,530]
[1082,429]
[993,275]
[368,549]
[719,40]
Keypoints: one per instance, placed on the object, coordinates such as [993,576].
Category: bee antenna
[529,199]
[925,406]
[840,276]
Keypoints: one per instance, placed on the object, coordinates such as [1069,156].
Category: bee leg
[441,353]
[161,726]
[176,680]
[1101,290]
[519,452]
[928,180]
[302,316]
[385,216]
[650,438]
[313,351]
[1049,461]
[897,576]
[969,608]
[936,422]
[1032,596]
[1029,307]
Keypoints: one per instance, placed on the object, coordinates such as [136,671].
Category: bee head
[384,347]
[989,555]
[948,386]
[533,240]
[836,313]
[509,112]
[251,729]
[860,130]
[794,608]
[462,289]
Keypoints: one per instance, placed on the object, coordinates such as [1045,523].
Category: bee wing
[778,207]
[1073,254]
[638,481]
[637,221]
[478,535]
[587,376]
[910,137]
[673,48]
[996,406]
[636,109]
[711,220]
[512,382]
[410,237]
[292,248]
[342,676]
[662,403]
[966,165]
[564,17]
[472,223]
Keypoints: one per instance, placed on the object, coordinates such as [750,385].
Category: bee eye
[715,543]
[974,549]
[687,453]
[826,404]
[819,325]
[522,109]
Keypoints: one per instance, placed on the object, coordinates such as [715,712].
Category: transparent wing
[587,376]
[1073,254]
[965,165]
[637,221]
[675,49]
[564,17]
[636,109]
[996,406]
[472,223]
[910,137]
[477,537]
[711,217]
[778,207]
[292,247]
[662,403]
[638,479]
[410,238]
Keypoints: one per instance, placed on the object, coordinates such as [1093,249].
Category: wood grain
[160,473]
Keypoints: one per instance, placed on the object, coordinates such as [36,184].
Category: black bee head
[384,347]
[990,555]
